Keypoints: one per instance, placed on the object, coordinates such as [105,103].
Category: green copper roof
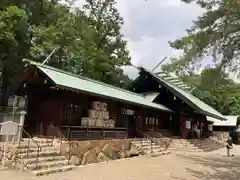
[194,102]
[67,80]
[150,96]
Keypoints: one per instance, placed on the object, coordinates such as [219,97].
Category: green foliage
[87,41]
[214,33]
[223,98]
[215,89]
[14,40]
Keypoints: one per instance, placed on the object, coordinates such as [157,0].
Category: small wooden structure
[222,129]
[62,104]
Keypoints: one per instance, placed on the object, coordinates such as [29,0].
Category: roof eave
[190,103]
[77,90]
[29,62]
[221,118]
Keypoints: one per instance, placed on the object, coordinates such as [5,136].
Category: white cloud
[150,24]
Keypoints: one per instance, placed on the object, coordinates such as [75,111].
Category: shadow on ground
[214,167]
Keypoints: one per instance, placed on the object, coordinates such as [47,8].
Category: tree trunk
[4,89]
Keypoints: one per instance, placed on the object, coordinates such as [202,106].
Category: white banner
[210,127]
[188,124]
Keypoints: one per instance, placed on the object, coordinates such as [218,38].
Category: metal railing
[28,145]
[143,137]
[160,136]
[60,136]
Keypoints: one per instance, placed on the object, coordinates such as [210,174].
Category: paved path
[181,166]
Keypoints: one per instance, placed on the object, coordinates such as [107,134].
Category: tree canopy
[216,33]
[214,88]
[87,40]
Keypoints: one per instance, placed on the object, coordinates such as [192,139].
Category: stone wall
[12,159]
[86,152]
[220,135]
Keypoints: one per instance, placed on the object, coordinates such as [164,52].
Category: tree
[96,49]
[216,33]
[110,50]
[14,41]
[214,88]
[85,44]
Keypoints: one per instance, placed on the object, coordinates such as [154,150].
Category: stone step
[184,143]
[39,139]
[32,145]
[138,142]
[180,143]
[35,149]
[143,142]
[203,144]
[196,143]
[44,159]
[160,153]
[154,151]
[209,145]
[47,164]
[194,148]
[182,146]
[41,154]
[149,147]
[207,142]
[201,141]
[145,145]
[184,149]
[36,141]
[210,149]
[52,170]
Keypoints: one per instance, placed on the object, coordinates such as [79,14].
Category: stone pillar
[21,124]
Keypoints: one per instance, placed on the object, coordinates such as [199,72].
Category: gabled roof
[174,80]
[150,96]
[198,105]
[65,80]
[231,121]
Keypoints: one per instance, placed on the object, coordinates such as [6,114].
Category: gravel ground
[183,166]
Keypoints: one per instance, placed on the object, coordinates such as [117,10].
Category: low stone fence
[11,160]
[220,136]
[87,152]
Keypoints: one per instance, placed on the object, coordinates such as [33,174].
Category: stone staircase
[49,161]
[194,145]
[149,148]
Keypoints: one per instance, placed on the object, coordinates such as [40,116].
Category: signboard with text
[8,128]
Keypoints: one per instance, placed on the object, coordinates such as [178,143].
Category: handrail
[28,146]
[166,139]
[147,137]
[63,138]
